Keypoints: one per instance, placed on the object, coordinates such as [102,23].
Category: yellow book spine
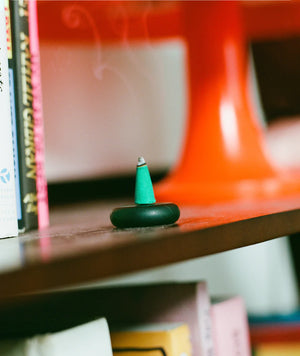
[173,342]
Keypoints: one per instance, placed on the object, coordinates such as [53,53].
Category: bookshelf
[82,246]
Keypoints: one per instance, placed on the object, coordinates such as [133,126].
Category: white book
[92,339]
[8,211]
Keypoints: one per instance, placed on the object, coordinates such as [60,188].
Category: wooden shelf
[82,246]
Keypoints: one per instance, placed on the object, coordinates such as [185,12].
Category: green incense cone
[145,213]
[143,185]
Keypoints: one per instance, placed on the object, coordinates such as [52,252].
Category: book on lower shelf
[216,328]
[278,349]
[182,302]
[169,339]
[275,334]
[8,210]
[165,302]
[92,338]
[230,327]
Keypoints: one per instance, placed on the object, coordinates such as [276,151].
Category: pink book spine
[41,180]
[205,320]
[230,328]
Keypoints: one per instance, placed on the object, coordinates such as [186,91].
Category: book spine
[41,180]
[13,114]
[8,213]
[180,341]
[205,320]
[230,327]
[24,111]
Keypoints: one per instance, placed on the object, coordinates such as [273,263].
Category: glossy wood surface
[82,245]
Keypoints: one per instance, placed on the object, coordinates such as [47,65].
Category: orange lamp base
[204,192]
[223,156]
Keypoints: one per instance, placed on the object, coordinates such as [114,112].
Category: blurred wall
[106,105]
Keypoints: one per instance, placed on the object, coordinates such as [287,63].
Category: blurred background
[114,88]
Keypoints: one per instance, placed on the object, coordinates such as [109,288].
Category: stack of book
[169,319]
[217,327]
[23,185]
[275,334]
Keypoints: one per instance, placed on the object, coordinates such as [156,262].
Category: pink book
[230,328]
[41,181]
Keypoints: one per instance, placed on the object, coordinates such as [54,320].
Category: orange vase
[224,155]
